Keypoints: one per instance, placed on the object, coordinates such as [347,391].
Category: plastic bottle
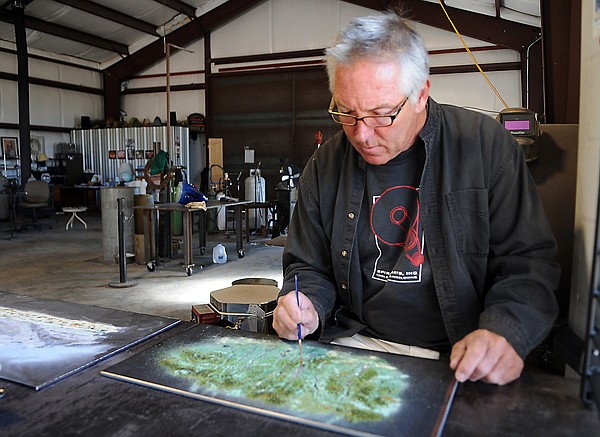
[219,254]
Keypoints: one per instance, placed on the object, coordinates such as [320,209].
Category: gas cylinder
[255,192]
[222,213]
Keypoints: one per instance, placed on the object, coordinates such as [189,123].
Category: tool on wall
[522,124]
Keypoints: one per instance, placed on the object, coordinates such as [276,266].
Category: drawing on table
[337,388]
[332,384]
[43,341]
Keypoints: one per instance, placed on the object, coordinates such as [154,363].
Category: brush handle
[298,302]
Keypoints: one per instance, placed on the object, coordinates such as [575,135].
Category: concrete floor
[69,266]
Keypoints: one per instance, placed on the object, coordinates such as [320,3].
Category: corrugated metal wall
[104,150]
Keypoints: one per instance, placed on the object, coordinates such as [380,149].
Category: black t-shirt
[399,300]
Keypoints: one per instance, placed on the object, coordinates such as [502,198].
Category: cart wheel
[151,266]
[241,253]
[189,271]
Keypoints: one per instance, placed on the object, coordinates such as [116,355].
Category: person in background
[418,228]
[318,138]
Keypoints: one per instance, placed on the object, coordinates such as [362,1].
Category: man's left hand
[483,355]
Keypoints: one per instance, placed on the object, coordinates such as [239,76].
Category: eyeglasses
[370,120]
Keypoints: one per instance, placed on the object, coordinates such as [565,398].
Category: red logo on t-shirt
[403,216]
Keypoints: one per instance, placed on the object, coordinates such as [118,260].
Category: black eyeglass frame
[356,119]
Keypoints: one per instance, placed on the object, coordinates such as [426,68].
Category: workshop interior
[150,158]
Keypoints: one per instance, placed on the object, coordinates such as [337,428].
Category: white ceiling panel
[519,17]
[83,22]
[486,7]
[529,7]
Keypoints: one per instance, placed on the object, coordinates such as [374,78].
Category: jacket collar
[433,120]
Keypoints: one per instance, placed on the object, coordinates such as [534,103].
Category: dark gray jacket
[492,252]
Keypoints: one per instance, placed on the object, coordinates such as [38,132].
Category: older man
[418,229]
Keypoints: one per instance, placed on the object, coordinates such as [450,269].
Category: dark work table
[87,195]
[87,403]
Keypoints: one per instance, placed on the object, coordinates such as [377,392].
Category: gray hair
[382,38]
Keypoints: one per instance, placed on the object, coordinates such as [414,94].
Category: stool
[74,210]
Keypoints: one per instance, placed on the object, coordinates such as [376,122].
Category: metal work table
[150,220]
[80,195]
[238,207]
[87,403]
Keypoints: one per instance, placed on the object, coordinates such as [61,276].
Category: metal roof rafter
[179,6]
[111,15]
[68,33]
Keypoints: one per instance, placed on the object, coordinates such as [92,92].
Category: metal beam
[179,6]
[75,35]
[154,52]
[54,84]
[498,5]
[70,34]
[561,27]
[183,36]
[52,60]
[23,92]
[508,34]
[37,127]
[10,4]
[111,15]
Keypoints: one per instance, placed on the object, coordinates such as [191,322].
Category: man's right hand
[288,314]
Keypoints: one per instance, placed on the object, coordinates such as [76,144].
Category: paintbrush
[299,329]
